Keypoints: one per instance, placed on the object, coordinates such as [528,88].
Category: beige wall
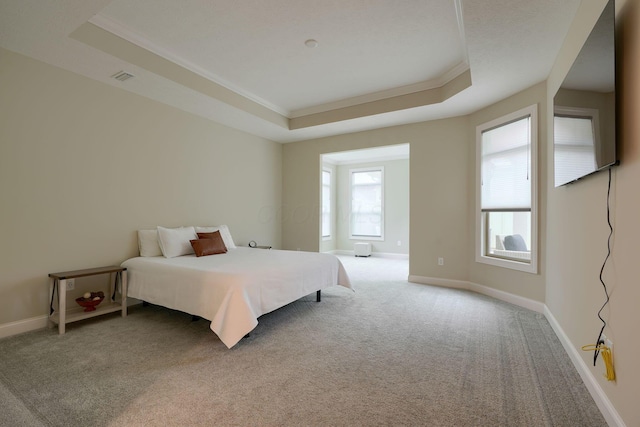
[578,231]
[83,165]
[438,191]
[396,207]
[439,179]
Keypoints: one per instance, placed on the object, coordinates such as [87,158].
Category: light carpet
[392,353]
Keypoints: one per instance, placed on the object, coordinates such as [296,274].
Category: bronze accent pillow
[208,244]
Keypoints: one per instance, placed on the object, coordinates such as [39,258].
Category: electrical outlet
[440,261]
[399,243]
[71,284]
[606,357]
[607,342]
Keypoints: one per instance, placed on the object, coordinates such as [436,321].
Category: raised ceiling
[376,154]
[246,65]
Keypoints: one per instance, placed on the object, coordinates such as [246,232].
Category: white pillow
[148,243]
[176,241]
[224,232]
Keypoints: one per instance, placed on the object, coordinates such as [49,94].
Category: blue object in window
[515,242]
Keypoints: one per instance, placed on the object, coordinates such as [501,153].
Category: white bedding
[233,289]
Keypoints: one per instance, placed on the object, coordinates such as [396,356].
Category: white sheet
[232,290]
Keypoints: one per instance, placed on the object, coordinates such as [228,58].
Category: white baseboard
[536,306]
[21,326]
[435,281]
[39,322]
[533,305]
[597,393]
[373,254]
[599,396]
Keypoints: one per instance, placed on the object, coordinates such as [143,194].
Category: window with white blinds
[367,203]
[506,222]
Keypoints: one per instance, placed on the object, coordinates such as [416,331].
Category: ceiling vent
[122,76]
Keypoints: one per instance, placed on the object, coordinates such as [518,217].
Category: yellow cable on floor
[607,358]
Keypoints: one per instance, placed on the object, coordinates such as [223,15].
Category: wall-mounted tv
[585,107]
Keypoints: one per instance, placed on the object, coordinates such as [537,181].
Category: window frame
[382,209]
[322,205]
[481,241]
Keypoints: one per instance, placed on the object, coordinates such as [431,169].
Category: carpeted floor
[392,353]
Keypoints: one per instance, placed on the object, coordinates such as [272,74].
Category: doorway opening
[364,199]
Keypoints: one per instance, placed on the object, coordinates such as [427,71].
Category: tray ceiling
[245,64]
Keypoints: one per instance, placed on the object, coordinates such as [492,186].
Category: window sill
[377,239]
[531,267]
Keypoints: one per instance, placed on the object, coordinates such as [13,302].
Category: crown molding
[122,31]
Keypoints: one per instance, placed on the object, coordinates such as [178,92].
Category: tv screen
[585,107]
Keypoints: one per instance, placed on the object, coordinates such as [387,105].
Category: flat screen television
[585,107]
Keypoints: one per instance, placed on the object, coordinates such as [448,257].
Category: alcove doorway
[364,198]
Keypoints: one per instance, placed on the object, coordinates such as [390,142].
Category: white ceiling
[376,154]
[245,64]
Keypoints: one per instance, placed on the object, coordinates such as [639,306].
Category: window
[506,191]
[367,203]
[326,204]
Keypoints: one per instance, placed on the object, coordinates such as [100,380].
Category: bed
[232,289]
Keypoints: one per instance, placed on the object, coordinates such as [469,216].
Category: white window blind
[506,167]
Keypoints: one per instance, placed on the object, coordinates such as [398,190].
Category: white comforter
[232,290]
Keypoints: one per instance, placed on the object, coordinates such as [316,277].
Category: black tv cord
[604,286]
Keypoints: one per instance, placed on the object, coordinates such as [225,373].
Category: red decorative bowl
[88,304]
